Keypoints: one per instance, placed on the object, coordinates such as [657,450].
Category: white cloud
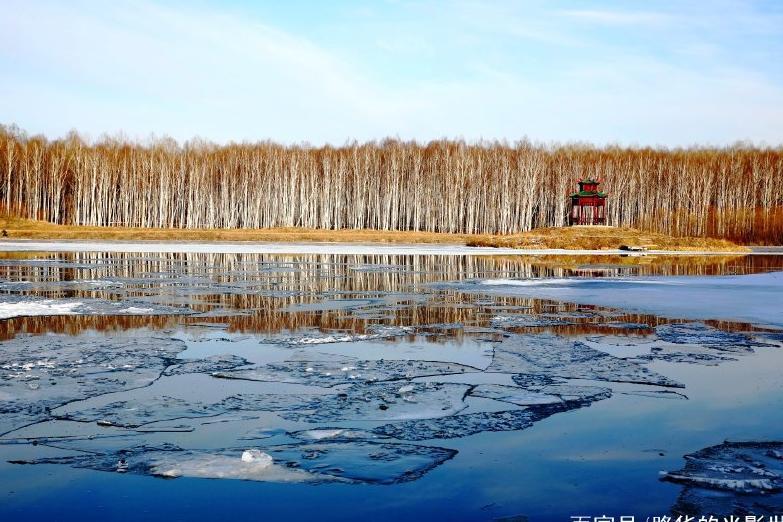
[192,68]
[141,67]
[613,17]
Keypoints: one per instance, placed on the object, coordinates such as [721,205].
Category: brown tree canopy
[444,186]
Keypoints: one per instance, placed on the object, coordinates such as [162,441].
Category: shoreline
[589,240]
[333,248]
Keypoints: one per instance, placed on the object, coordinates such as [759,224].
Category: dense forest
[443,186]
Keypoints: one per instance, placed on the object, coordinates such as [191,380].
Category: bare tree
[444,186]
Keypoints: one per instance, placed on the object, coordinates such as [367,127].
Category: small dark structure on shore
[588,206]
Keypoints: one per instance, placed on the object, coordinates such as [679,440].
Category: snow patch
[135,310]
[252,465]
[42,307]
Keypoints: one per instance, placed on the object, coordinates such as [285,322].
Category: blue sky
[672,73]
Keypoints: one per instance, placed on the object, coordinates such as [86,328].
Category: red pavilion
[588,206]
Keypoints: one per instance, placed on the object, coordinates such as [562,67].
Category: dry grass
[574,238]
[603,238]
[18,228]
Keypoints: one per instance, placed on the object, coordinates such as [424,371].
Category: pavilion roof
[589,193]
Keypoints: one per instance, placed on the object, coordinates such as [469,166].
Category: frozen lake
[386,385]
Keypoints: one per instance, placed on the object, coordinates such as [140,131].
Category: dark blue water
[603,459]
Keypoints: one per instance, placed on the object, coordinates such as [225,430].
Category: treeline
[444,186]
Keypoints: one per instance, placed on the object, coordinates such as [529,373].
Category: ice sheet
[753,298]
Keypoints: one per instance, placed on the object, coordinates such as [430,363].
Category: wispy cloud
[237,74]
[479,70]
[612,17]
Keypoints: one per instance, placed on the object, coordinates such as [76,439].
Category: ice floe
[134,413]
[333,434]
[527,321]
[731,478]
[384,402]
[365,462]
[698,343]
[331,372]
[210,364]
[456,426]
[557,356]
[252,465]
[28,307]
[540,400]
[374,332]
[24,306]
[702,334]
[66,369]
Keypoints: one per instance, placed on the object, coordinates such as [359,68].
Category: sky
[656,72]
